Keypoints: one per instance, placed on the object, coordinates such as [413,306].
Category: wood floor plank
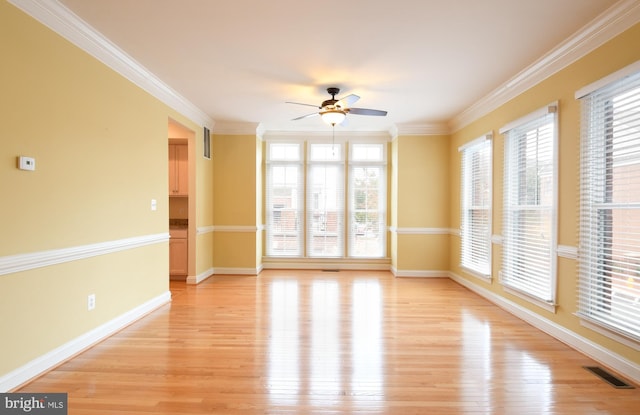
[307,342]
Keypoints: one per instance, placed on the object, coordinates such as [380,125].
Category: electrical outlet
[91,302]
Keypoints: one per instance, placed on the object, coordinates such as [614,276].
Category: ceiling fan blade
[350,99]
[298,103]
[366,111]
[314,114]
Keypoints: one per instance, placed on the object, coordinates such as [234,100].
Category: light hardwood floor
[307,342]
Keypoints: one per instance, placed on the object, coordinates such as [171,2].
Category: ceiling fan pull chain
[333,140]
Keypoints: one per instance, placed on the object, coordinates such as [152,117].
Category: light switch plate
[27,163]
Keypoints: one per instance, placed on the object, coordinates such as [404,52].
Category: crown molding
[264,131]
[618,18]
[423,129]
[235,128]
[68,25]
[267,135]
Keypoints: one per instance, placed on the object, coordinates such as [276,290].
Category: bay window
[325,204]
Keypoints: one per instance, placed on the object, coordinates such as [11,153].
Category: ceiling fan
[333,111]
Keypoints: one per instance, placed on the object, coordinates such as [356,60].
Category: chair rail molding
[25,262]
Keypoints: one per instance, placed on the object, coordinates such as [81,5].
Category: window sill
[607,332]
[550,307]
[476,274]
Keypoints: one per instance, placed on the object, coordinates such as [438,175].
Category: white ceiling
[424,61]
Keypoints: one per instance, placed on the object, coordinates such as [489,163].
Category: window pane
[367,212]
[476,208]
[325,152]
[367,152]
[284,151]
[609,253]
[320,231]
[325,211]
[284,210]
[529,209]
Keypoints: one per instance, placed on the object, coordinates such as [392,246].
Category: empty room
[293,207]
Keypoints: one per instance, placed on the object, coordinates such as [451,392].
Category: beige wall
[562,86]
[236,211]
[420,204]
[393,203]
[423,183]
[204,213]
[100,145]
[201,205]
[258,201]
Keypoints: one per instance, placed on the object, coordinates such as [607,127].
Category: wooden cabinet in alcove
[178,170]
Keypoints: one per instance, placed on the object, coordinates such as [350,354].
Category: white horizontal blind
[529,229]
[284,207]
[475,221]
[609,250]
[367,200]
[325,200]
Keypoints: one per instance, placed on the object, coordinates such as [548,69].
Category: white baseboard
[58,355]
[347,264]
[197,279]
[237,271]
[419,273]
[222,271]
[599,353]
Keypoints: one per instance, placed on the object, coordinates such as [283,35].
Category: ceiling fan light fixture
[333,111]
[333,117]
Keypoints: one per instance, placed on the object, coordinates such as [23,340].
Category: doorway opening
[181,195]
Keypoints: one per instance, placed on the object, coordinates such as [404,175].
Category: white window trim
[300,164]
[349,194]
[594,324]
[342,233]
[607,332]
[540,112]
[305,142]
[268,158]
[383,143]
[614,77]
[338,142]
[480,140]
[479,275]
[550,307]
